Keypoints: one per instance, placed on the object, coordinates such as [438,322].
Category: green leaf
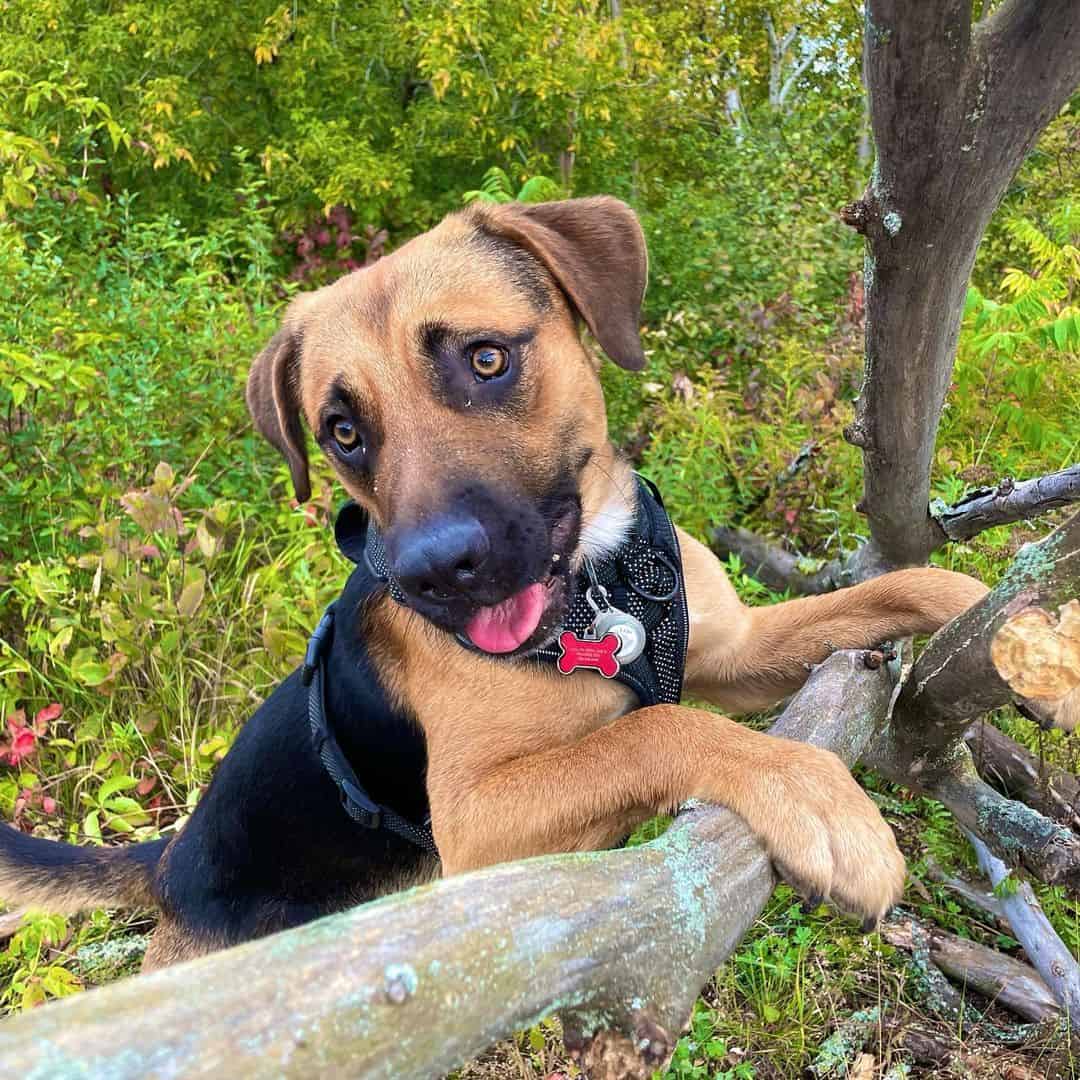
[91,825]
[87,669]
[118,823]
[539,189]
[1061,333]
[192,595]
[115,784]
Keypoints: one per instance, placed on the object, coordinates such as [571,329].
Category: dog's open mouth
[506,626]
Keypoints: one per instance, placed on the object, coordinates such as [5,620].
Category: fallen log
[618,942]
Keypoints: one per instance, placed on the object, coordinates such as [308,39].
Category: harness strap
[355,800]
[643,577]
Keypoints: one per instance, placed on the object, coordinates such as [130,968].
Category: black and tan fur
[519,760]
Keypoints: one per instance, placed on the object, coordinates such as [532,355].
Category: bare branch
[983,508]
[619,942]
[978,897]
[789,84]
[1005,981]
[1009,502]
[1022,37]
[1047,952]
[1014,831]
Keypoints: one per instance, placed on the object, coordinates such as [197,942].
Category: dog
[451,389]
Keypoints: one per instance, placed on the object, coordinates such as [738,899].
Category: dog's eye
[345,435]
[488,361]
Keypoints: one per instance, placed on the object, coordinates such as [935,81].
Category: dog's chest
[507,707]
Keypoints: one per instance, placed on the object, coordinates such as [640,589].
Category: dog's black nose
[440,559]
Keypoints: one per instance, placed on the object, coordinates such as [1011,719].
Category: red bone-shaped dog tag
[584,653]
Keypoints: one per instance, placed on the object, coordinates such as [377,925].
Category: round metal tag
[626,628]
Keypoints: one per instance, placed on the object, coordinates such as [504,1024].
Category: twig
[979,898]
[1032,929]
[1010,983]
[780,570]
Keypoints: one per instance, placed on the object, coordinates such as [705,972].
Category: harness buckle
[359,806]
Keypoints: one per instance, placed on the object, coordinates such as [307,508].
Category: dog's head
[449,387]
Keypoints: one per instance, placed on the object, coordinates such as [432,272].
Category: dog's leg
[816,822]
[171,943]
[745,658]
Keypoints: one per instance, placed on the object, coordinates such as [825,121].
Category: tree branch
[954,681]
[1005,981]
[1046,951]
[1009,502]
[1019,38]
[1018,773]
[1010,829]
[800,67]
[983,508]
[619,942]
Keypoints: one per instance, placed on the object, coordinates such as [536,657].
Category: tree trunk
[954,112]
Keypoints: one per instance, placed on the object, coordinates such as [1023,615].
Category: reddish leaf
[47,716]
[23,744]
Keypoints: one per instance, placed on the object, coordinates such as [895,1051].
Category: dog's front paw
[825,835]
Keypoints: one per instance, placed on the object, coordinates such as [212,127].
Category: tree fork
[1008,502]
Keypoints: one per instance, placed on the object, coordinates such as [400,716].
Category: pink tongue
[502,628]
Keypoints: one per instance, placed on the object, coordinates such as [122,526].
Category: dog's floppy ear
[274,403]
[595,250]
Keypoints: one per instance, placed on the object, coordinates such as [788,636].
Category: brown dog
[537,763]
[449,386]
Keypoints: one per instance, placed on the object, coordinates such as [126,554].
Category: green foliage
[31,974]
[1022,349]
[497,187]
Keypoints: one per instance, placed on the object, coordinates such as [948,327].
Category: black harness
[643,577]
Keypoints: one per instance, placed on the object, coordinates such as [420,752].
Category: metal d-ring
[664,561]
